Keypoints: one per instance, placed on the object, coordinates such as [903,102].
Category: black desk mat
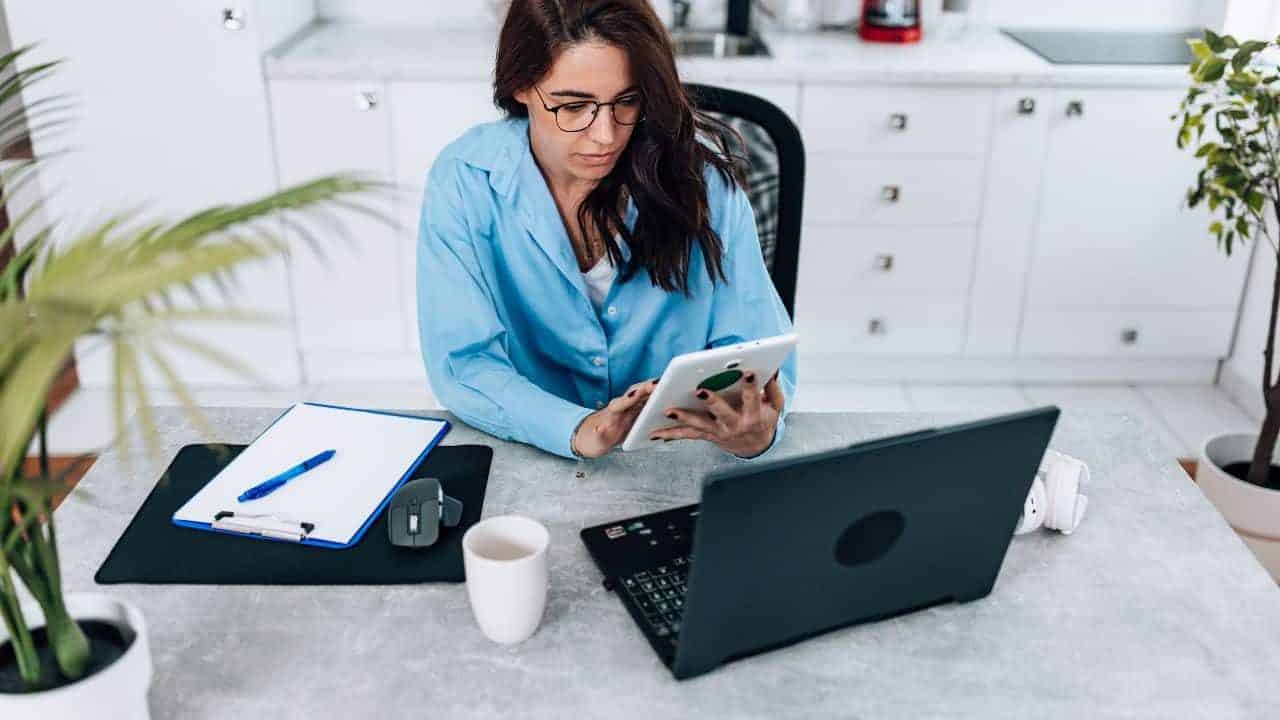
[153,550]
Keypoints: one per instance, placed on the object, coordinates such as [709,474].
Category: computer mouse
[413,517]
[416,512]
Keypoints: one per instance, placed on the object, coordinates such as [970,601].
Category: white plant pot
[117,691]
[1253,512]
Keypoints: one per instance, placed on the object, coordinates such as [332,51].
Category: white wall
[1026,13]
[439,13]
[1099,14]
[1241,374]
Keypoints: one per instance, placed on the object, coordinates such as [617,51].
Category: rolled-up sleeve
[748,306]
[464,343]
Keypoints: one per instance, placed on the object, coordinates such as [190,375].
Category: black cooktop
[1087,47]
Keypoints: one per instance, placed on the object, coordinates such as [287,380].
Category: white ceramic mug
[505,559]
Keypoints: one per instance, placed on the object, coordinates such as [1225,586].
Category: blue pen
[267,487]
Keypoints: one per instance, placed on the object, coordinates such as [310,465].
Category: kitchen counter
[1154,608]
[979,56]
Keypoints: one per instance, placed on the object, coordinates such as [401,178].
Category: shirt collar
[513,173]
[497,150]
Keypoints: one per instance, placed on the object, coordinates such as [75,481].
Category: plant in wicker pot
[1231,116]
[134,287]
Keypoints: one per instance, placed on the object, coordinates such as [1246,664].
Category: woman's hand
[608,426]
[745,431]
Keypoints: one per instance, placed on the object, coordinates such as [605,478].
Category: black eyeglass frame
[595,112]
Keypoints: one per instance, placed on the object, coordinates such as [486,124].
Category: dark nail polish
[751,378]
[671,415]
[702,395]
[631,394]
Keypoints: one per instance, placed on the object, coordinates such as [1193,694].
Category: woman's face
[586,71]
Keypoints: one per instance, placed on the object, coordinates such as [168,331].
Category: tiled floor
[1183,415]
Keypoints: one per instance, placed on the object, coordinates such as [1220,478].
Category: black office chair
[775,176]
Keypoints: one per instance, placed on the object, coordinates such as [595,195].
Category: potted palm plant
[1231,116]
[129,283]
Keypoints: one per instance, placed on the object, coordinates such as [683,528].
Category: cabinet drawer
[880,324]
[868,189]
[886,260]
[1120,333]
[897,120]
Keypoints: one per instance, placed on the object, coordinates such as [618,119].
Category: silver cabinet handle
[891,193]
[898,121]
[1129,336]
[366,100]
[876,327]
[1027,106]
[1075,108]
[232,18]
[884,262]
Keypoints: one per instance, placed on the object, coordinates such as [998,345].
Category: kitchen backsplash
[710,13]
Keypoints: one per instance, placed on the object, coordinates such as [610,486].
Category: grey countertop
[343,50]
[1153,609]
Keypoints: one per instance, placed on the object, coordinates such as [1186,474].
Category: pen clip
[269,526]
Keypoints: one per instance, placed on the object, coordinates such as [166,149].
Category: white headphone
[1056,500]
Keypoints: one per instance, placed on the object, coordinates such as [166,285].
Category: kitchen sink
[717,45]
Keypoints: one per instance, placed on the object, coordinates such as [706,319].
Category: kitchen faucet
[737,21]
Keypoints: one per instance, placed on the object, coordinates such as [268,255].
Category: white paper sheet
[374,451]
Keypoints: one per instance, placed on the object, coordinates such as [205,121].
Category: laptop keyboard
[659,595]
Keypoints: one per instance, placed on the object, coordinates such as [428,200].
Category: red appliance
[890,21]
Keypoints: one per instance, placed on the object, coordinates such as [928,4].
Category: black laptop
[778,551]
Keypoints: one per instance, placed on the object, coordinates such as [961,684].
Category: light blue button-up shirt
[513,344]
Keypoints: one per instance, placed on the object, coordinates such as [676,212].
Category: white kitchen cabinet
[170,116]
[1010,201]
[425,118]
[881,324]
[886,260]
[347,298]
[895,120]
[1128,333]
[1113,230]
[885,189]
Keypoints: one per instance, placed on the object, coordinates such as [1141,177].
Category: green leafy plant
[133,285]
[1231,115]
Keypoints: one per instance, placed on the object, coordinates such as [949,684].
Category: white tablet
[718,370]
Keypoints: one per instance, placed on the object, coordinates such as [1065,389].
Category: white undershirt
[599,279]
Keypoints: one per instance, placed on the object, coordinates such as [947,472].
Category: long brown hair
[662,166]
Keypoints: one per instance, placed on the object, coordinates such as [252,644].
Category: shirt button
[613,311]
[597,361]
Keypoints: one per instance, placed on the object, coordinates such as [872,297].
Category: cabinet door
[1008,224]
[170,116]
[425,118]
[347,296]
[1113,229]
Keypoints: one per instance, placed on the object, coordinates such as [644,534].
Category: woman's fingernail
[751,378]
[653,382]
[631,394]
[671,415]
[702,395]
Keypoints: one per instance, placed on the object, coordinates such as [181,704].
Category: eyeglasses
[578,115]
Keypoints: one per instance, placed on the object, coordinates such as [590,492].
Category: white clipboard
[331,505]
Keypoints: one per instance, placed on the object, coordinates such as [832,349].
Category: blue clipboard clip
[269,526]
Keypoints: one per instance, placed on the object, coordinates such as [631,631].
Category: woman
[567,253]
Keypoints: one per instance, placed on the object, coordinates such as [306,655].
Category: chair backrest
[775,176]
